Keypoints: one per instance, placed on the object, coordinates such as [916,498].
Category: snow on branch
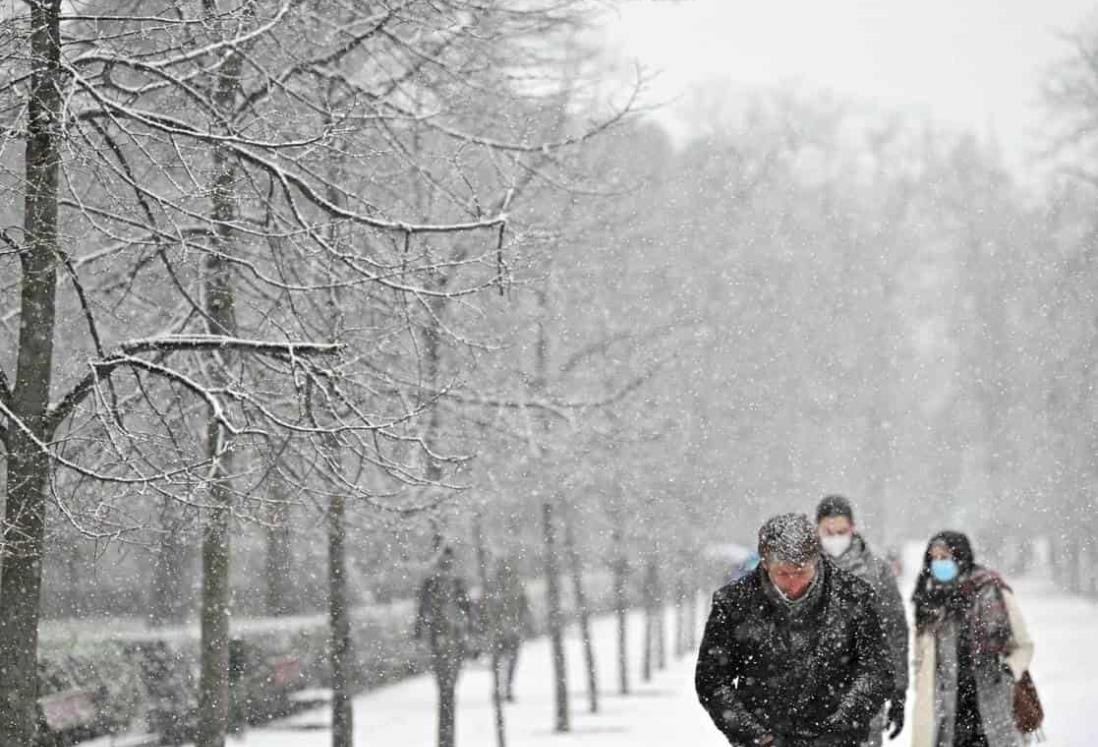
[180,59]
[223,342]
[177,343]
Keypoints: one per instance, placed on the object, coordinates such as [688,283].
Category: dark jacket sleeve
[719,664]
[894,622]
[873,678]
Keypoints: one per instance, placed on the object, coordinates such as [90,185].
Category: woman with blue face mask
[971,645]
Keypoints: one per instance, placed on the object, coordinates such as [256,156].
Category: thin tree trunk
[646,661]
[213,693]
[278,565]
[661,635]
[621,610]
[653,627]
[339,624]
[576,567]
[552,560]
[556,619]
[492,629]
[692,619]
[447,683]
[680,616]
[28,401]
[213,684]
[1071,561]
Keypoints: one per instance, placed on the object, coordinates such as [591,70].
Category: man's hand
[767,741]
[896,716]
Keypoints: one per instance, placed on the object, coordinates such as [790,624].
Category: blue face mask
[944,570]
[751,562]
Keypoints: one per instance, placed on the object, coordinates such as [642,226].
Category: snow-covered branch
[175,343]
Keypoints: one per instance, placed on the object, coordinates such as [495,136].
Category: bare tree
[177,177]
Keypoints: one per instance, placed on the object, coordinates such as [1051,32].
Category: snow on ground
[664,711]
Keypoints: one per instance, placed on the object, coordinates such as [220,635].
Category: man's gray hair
[788,538]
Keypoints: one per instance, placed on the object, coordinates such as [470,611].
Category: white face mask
[836,544]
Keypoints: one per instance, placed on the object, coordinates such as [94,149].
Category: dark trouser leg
[512,665]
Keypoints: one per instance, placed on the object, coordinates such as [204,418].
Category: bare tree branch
[175,343]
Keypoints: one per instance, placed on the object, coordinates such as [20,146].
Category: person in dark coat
[793,653]
[443,621]
[508,623]
[848,550]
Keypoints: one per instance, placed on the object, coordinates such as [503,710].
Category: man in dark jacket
[507,622]
[443,620]
[846,548]
[793,654]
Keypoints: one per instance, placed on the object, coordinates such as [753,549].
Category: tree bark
[340,625]
[680,615]
[213,694]
[576,567]
[27,464]
[213,683]
[493,631]
[646,661]
[653,625]
[692,618]
[556,619]
[278,565]
[621,609]
[661,635]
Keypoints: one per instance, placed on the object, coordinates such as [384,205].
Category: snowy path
[664,711]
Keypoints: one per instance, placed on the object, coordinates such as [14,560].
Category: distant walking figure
[849,551]
[793,654]
[443,620]
[508,623]
[971,645]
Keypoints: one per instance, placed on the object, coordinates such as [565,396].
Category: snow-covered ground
[664,710]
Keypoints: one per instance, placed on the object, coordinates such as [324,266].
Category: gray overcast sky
[974,63]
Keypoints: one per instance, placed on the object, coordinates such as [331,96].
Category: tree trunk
[653,625]
[447,707]
[340,625]
[492,629]
[680,616]
[1071,563]
[28,465]
[646,661]
[621,610]
[213,683]
[576,567]
[692,618]
[556,619]
[214,678]
[661,635]
[278,566]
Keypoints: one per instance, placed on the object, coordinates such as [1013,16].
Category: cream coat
[1018,660]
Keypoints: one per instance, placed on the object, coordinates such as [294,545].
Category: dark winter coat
[811,677]
[444,616]
[860,560]
[507,619]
